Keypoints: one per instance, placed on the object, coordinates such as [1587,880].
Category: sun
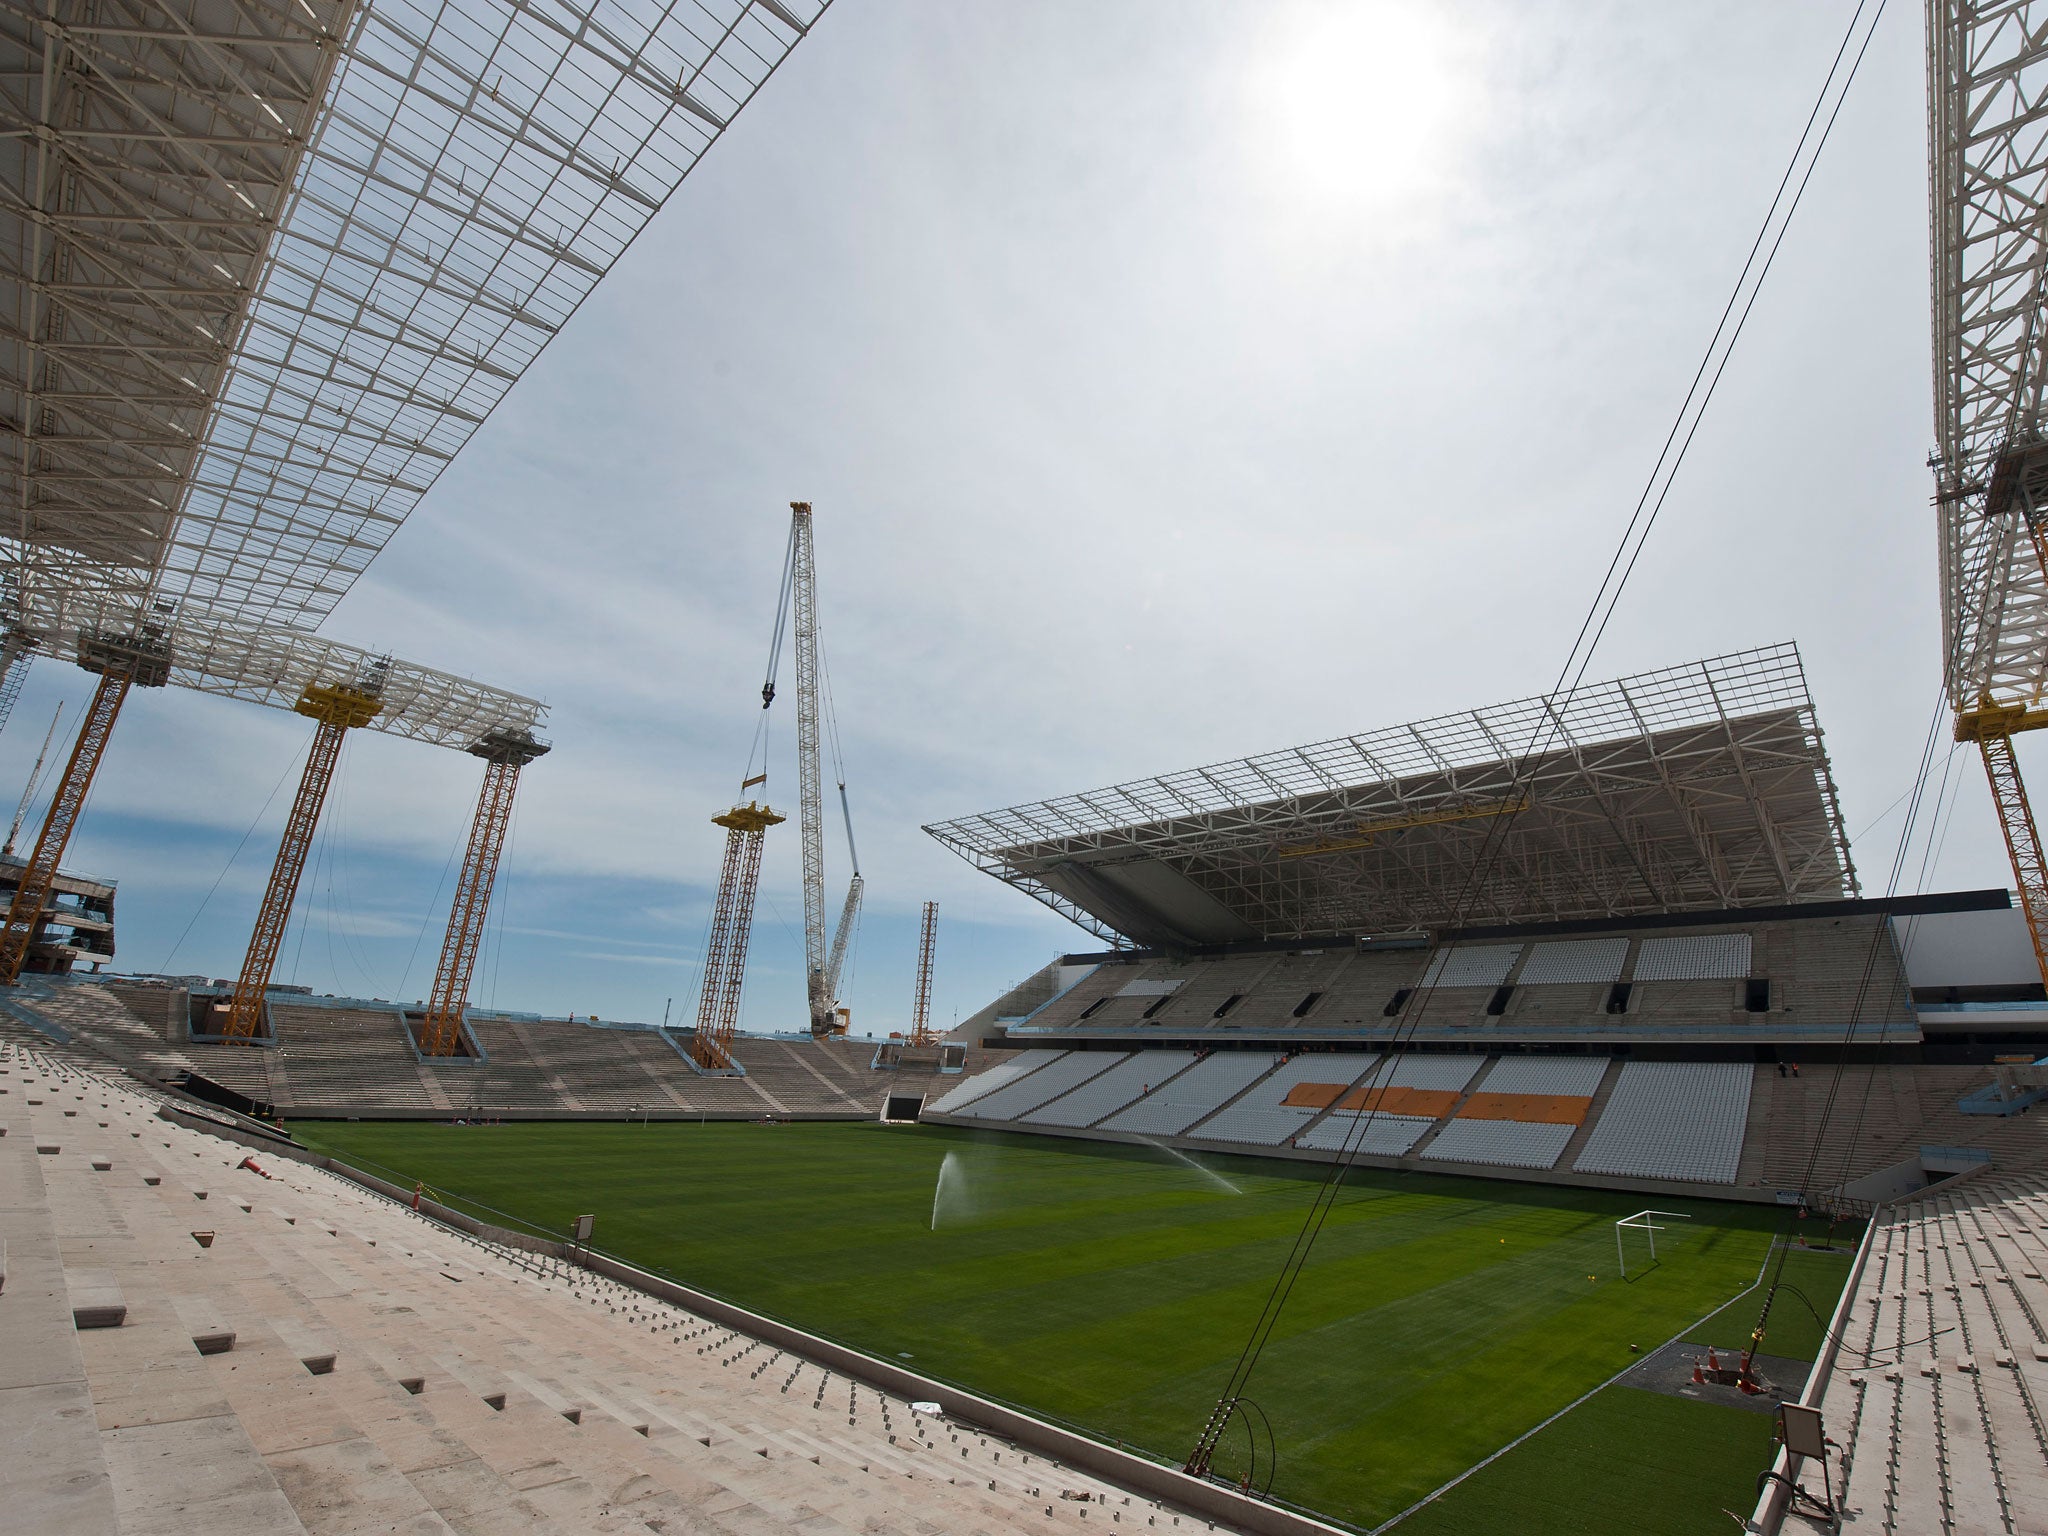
[1362,106]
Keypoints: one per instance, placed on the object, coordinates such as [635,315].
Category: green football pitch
[1112,1287]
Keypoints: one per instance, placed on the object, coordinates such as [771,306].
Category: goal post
[1644,1222]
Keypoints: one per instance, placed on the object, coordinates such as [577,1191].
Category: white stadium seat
[1672,1120]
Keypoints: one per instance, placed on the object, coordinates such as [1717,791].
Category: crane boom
[849,914]
[809,772]
[1987,142]
[1987,151]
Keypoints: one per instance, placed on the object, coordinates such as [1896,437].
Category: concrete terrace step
[376,1372]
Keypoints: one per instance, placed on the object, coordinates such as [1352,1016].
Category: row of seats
[1066,1070]
[1556,962]
[1499,1143]
[1683,1121]
[1370,1135]
[1263,1117]
[1129,1080]
[1200,1090]
[343,1060]
[1672,1120]
[1819,970]
[980,1085]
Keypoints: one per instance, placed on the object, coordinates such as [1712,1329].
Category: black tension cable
[1810,1178]
[1572,674]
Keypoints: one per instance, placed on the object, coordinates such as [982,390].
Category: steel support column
[504,755]
[337,709]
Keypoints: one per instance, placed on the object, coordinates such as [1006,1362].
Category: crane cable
[784,596]
[831,714]
[37,776]
[1606,597]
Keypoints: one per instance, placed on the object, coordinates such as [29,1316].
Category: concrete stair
[1879,1117]
[1598,1107]
[388,1375]
[348,1060]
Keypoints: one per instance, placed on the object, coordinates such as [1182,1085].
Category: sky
[1173,382]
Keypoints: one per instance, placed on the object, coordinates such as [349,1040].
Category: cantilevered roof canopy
[265,265]
[1696,787]
[147,150]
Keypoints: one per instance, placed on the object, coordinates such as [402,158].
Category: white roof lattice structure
[236,658]
[1696,787]
[271,263]
[146,151]
[1988,147]
[267,264]
[478,168]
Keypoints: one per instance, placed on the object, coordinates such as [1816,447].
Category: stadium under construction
[1601,959]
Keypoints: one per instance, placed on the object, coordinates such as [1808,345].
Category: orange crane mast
[732,923]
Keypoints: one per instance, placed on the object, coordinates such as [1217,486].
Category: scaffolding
[123,661]
[149,150]
[1988,152]
[17,651]
[39,875]
[732,922]
[478,168]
